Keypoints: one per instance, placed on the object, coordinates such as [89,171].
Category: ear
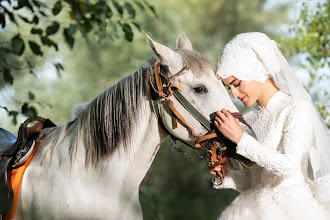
[182,42]
[165,54]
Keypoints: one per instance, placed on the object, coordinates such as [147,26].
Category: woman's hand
[228,125]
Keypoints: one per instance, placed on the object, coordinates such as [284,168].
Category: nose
[234,92]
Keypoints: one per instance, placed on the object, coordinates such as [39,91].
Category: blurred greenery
[42,20]
[176,186]
[310,36]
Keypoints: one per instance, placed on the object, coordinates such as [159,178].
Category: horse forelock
[197,63]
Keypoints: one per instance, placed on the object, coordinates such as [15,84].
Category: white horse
[92,166]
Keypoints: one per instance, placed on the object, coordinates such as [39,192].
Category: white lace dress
[277,187]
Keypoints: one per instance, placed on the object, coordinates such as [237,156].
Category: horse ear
[165,54]
[182,42]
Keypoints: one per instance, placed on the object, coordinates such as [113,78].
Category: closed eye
[200,89]
[238,84]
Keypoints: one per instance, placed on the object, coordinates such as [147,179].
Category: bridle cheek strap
[158,79]
[179,116]
[160,90]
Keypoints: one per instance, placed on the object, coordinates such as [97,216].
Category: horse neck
[129,164]
[147,140]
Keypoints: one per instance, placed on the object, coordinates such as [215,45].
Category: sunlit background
[176,186]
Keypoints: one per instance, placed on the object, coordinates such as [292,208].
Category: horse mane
[108,121]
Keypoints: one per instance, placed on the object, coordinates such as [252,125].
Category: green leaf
[24,108]
[152,8]
[35,19]
[38,3]
[22,4]
[53,28]
[29,112]
[14,115]
[2,20]
[31,96]
[137,25]
[118,7]
[17,45]
[35,48]
[11,113]
[86,24]
[7,76]
[101,9]
[5,108]
[140,5]
[59,67]
[68,35]
[24,19]
[37,31]
[11,17]
[108,12]
[48,42]
[57,8]
[128,32]
[130,9]
[43,13]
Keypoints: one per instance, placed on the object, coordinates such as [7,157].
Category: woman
[288,130]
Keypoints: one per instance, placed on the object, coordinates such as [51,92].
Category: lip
[242,98]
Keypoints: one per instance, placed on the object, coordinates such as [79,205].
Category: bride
[288,133]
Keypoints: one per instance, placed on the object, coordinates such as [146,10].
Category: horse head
[199,86]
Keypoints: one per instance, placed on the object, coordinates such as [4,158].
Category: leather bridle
[167,89]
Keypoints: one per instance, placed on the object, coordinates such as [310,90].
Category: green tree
[29,28]
[311,38]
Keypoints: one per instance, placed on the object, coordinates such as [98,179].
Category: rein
[165,90]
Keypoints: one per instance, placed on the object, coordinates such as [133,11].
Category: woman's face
[247,91]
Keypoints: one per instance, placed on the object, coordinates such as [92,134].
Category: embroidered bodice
[278,149]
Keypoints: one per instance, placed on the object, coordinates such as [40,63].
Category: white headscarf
[254,56]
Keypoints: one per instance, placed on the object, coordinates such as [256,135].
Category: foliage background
[176,186]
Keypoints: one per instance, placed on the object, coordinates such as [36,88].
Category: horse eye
[200,89]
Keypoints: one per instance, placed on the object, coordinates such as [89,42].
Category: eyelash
[237,85]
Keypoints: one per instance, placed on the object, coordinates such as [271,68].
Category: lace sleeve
[283,161]
[236,179]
